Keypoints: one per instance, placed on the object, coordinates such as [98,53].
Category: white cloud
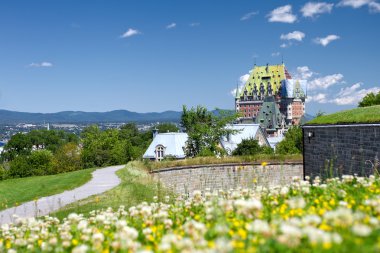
[354,3]
[194,24]
[275,54]
[352,95]
[296,35]
[249,15]
[319,98]
[304,72]
[43,64]
[374,7]
[285,45]
[242,80]
[312,9]
[326,40]
[131,32]
[325,81]
[282,14]
[171,26]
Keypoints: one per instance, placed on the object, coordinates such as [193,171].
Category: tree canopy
[205,130]
[370,99]
[292,143]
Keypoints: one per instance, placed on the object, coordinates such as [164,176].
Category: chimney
[155,132]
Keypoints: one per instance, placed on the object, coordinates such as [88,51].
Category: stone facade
[185,180]
[335,150]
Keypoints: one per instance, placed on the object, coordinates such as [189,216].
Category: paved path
[102,180]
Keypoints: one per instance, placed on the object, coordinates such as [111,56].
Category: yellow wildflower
[327,245]
[242,233]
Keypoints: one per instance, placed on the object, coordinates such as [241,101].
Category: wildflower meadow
[339,215]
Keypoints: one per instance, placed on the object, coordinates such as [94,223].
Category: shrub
[40,163]
[292,143]
[67,158]
[247,147]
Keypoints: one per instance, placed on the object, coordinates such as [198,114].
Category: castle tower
[271,98]
[263,81]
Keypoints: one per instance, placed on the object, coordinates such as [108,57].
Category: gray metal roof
[247,131]
[173,143]
[273,141]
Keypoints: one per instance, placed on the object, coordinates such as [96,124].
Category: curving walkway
[102,180]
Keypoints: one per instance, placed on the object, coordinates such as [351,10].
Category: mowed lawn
[16,191]
[136,186]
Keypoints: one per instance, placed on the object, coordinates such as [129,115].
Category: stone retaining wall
[335,150]
[227,176]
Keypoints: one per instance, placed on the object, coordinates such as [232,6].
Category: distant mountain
[11,117]
[308,117]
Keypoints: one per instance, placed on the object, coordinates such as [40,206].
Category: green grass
[136,186]
[16,191]
[224,160]
[369,114]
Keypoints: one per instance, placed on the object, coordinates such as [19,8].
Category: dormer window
[160,152]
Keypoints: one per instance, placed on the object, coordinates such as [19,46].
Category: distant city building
[271,98]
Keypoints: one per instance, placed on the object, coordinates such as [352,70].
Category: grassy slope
[228,159]
[358,115]
[136,186]
[16,191]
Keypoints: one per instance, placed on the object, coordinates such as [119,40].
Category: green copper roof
[269,116]
[269,74]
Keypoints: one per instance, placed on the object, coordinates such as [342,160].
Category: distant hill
[11,117]
[308,117]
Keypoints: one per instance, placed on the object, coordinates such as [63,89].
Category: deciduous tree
[370,99]
[205,130]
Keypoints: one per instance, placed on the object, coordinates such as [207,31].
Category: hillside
[11,117]
[369,114]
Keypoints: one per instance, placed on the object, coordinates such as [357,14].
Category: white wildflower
[361,230]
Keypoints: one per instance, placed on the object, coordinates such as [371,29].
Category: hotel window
[160,152]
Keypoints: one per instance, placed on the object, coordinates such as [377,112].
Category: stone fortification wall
[335,150]
[227,176]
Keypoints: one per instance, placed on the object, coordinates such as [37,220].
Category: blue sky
[158,55]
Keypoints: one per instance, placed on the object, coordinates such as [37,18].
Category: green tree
[370,99]
[23,144]
[67,158]
[247,147]
[3,172]
[108,147]
[166,127]
[205,130]
[51,139]
[19,167]
[292,143]
[19,144]
[40,162]
[251,147]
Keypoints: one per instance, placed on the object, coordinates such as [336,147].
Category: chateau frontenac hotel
[271,98]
